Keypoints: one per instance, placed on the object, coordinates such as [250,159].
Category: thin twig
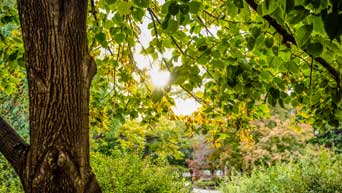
[205,26]
[93,10]
[137,69]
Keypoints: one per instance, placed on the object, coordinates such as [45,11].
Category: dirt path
[196,190]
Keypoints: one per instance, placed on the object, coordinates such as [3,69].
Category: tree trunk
[59,73]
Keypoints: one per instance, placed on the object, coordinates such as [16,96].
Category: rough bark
[12,146]
[59,74]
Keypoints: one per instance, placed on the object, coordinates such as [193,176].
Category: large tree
[59,73]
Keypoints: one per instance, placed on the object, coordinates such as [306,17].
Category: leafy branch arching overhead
[225,54]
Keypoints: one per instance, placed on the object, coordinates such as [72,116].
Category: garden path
[197,190]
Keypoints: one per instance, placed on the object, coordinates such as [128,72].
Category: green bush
[314,173]
[131,174]
[9,181]
[127,174]
[208,184]
[330,138]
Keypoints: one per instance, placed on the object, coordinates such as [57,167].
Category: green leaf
[270,5]
[101,38]
[315,98]
[338,114]
[315,49]
[333,26]
[185,9]
[250,43]
[275,93]
[292,67]
[118,18]
[173,8]
[157,95]
[110,2]
[302,35]
[297,14]
[119,38]
[278,15]
[138,14]
[7,19]
[289,5]
[204,58]
[275,50]
[281,103]
[267,3]
[265,75]
[283,67]
[272,101]
[256,31]
[165,23]
[194,7]
[172,26]
[339,60]
[195,70]
[180,80]
[142,3]
[202,48]
[124,8]
[8,89]
[318,24]
[13,56]
[180,74]
[295,102]
[238,3]
[269,42]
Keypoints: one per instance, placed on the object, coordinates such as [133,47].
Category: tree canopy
[230,56]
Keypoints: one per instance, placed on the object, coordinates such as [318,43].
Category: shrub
[9,181]
[330,138]
[127,174]
[208,184]
[275,141]
[130,173]
[314,173]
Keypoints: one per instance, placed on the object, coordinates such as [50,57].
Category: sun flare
[159,78]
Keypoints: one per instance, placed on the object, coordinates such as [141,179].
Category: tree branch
[12,146]
[288,38]
[218,17]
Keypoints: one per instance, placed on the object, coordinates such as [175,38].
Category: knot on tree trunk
[58,167]
[38,80]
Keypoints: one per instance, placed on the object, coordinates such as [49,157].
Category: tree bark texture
[59,76]
[12,146]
